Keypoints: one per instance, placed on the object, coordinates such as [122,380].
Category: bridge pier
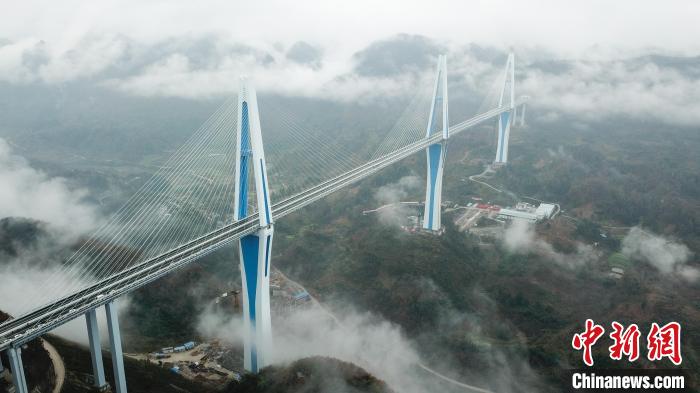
[506,118]
[255,276]
[18,379]
[504,121]
[436,152]
[255,249]
[115,346]
[93,330]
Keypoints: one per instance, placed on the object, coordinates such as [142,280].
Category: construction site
[215,362]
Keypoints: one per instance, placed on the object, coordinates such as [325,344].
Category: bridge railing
[33,324]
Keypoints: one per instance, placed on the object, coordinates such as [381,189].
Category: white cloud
[689,273]
[367,340]
[90,56]
[570,27]
[667,255]
[34,275]
[364,339]
[174,76]
[24,287]
[12,67]
[82,40]
[593,89]
[520,237]
[27,192]
[588,89]
[30,193]
[215,324]
[394,193]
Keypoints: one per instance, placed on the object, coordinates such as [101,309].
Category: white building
[510,214]
[545,211]
[524,211]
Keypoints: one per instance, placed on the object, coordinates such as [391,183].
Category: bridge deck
[33,324]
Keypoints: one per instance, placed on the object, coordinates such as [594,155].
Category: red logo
[587,339]
[662,342]
[665,342]
[626,342]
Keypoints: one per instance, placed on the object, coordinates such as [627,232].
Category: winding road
[58,366]
[489,169]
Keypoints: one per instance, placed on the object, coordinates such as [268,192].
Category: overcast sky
[199,48]
[564,26]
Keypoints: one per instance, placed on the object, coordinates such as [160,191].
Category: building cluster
[285,296]
[213,363]
[200,362]
[413,224]
[487,220]
[166,351]
[527,212]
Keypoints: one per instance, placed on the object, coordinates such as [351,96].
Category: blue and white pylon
[506,118]
[254,250]
[523,107]
[436,151]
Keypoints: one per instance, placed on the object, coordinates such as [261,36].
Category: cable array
[298,156]
[410,126]
[191,194]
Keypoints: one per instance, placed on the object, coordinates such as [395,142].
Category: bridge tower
[506,118]
[437,122]
[522,110]
[254,249]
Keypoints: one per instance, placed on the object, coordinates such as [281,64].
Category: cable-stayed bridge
[185,212]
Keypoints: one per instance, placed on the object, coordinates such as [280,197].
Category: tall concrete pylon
[522,111]
[436,151]
[506,118]
[98,371]
[14,354]
[254,249]
[115,347]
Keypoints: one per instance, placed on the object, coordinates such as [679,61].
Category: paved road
[489,169]
[58,366]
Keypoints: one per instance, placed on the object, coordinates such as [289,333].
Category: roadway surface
[33,324]
[59,367]
[490,170]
